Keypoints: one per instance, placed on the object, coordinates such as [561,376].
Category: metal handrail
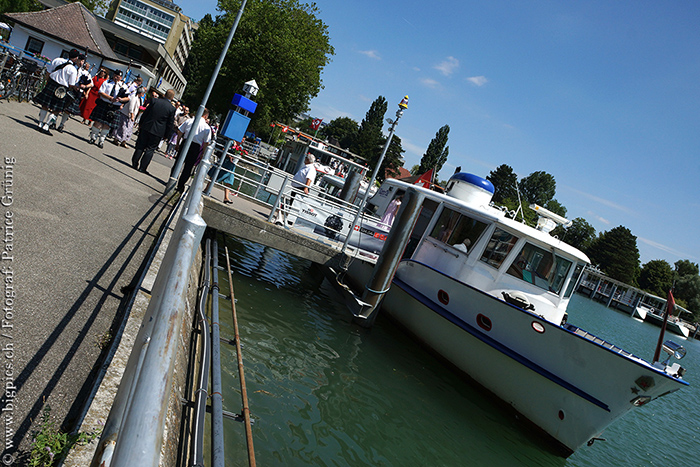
[217,409]
[137,418]
[202,392]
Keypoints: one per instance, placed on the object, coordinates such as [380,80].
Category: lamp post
[403,105]
[177,168]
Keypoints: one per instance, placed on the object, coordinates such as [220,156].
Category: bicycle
[28,84]
[21,80]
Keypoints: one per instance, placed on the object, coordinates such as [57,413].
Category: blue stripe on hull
[497,345]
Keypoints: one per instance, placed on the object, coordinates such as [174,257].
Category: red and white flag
[316,123]
[425,180]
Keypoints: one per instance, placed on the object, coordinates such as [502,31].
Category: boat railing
[259,181]
[602,342]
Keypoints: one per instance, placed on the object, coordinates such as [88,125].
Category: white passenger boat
[489,294]
[673,324]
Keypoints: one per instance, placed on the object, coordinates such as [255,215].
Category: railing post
[279,199]
[215,175]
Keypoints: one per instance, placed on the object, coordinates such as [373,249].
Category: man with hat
[112,95]
[63,74]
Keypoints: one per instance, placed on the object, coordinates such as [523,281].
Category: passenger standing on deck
[112,96]
[62,76]
[156,122]
[200,141]
[302,180]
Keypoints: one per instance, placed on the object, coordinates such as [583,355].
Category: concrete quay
[78,224]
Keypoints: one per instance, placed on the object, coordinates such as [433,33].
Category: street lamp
[403,105]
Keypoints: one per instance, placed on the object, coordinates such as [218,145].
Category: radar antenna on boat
[548,220]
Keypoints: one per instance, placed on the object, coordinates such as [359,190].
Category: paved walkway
[78,223]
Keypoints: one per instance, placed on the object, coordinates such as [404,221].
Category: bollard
[390,256]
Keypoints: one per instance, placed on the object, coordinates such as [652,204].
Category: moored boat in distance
[641,311]
[489,294]
[674,324]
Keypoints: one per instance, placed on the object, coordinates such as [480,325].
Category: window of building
[540,267]
[34,46]
[458,230]
[498,247]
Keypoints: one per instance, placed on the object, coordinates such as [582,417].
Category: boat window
[498,247]
[457,230]
[540,267]
[574,280]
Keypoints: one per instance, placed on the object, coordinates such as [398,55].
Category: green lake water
[323,391]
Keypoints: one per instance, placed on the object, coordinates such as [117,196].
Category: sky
[602,95]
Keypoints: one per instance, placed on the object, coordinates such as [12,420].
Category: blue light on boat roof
[474,180]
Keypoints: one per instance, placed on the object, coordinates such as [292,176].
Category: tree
[436,154]
[96,6]
[392,160]
[369,139]
[579,234]
[685,268]
[280,43]
[342,129]
[616,253]
[687,289]
[19,6]
[538,188]
[504,183]
[656,277]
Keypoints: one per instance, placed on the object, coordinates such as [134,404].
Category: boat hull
[640,312]
[557,377]
[671,325]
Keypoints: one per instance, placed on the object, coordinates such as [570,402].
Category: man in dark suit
[156,124]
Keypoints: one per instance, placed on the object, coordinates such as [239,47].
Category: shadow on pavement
[139,233]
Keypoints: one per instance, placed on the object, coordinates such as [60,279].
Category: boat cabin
[463,236]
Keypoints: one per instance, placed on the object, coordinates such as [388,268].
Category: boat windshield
[498,248]
[458,230]
[540,267]
[574,281]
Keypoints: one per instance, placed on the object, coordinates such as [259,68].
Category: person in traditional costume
[88,104]
[75,97]
[63,76]
[104,116]
[127,115]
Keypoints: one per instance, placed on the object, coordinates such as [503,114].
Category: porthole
[538,327]
[483,322]
[444,297]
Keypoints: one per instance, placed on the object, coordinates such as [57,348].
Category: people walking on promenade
[174,142]
[200,141]
[75,97]
[63,75]
[156,122]
[127,115]
[88,104]
[112,96]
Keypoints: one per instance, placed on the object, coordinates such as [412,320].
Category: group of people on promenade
[114,108]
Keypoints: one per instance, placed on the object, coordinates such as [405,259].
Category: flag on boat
[316,123]
[425,180]
[670,306]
